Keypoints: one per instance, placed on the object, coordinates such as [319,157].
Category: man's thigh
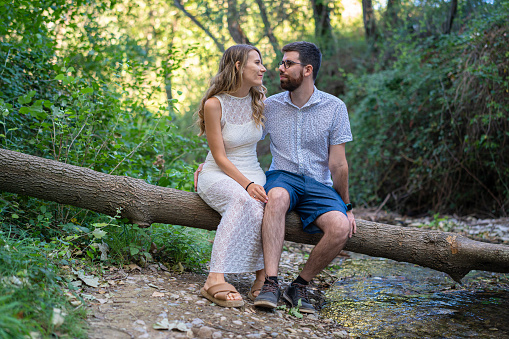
[318,200]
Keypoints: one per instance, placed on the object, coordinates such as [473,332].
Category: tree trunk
[144,204]
[450,17]
[323,28]
[234,28]
[268,30]
[391,14]
[368,16]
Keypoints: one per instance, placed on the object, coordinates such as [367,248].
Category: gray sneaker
[269,295]
[296,292]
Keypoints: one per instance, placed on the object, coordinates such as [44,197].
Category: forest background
[113,85]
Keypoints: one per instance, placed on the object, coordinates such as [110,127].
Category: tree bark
[323,28]
[234,28]
[368,16]
[450,17]
[268,30]
[144,204]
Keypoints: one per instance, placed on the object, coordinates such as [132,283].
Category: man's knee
[279,199]
[334,224]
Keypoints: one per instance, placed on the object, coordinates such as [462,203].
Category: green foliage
[431,128]
[31,288]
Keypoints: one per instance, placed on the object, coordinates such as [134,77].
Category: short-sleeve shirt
[300,137]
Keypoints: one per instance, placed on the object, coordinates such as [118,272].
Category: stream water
[381,298]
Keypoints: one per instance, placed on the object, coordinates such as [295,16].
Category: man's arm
[339,170]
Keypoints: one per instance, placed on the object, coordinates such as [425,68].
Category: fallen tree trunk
[144,204]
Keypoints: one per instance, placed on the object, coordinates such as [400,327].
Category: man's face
[291,78]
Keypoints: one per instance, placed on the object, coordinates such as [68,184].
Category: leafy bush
[431,128]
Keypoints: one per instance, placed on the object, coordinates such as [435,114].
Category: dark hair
[309,54]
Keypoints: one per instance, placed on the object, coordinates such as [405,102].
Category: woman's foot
[257,285]
[218,278]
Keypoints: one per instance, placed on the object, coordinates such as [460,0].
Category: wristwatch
[349,207]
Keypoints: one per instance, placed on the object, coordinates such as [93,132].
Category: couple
[308,131]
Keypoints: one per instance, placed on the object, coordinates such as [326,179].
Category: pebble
[237,322]
[255,335]
[205,332]
[197,322]
[217,335]
[223,319]
[200,302]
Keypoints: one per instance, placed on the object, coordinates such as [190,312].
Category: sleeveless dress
[238,243]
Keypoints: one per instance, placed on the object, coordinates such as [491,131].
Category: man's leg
[273,228]
[335,227]
[273,235]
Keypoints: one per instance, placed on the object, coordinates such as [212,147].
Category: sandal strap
[257,286]
[223,287]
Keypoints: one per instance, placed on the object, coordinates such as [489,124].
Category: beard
[291,84]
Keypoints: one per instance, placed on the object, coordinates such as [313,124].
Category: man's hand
[353,225]
[200,167]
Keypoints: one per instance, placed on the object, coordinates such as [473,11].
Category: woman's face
[252,74]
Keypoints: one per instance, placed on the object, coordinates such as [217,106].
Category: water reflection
[381,298]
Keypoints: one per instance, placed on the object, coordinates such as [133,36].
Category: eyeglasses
[290,63]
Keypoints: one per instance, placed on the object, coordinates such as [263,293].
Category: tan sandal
[257,287]
[218,293]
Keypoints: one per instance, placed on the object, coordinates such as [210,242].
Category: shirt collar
[314,99]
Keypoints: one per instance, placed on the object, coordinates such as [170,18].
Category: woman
[231,181]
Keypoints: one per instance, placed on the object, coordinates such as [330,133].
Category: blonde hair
[229,79]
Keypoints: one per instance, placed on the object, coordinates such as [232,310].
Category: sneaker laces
[302,292]
[270,286]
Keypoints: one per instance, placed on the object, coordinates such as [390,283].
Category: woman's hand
[257,192]
[196,173]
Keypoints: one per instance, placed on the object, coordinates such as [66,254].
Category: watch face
[349,207]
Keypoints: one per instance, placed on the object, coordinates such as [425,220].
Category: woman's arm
[212,113]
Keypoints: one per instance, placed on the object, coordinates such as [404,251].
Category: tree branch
[190,16]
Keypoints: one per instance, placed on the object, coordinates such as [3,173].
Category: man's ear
[308,70]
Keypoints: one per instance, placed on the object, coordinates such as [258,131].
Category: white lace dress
[238,244]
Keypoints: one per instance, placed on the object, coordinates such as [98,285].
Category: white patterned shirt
[300,137]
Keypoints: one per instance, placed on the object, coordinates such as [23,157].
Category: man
[308,130]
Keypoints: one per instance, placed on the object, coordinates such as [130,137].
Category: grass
[32,291]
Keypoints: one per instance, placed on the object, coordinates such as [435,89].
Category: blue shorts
[308,197]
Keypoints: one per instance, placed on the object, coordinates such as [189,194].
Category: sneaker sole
[301,310]
[265,303]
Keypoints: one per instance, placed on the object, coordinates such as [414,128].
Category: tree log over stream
[144,204]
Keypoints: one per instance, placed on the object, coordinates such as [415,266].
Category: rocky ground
[153,302]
